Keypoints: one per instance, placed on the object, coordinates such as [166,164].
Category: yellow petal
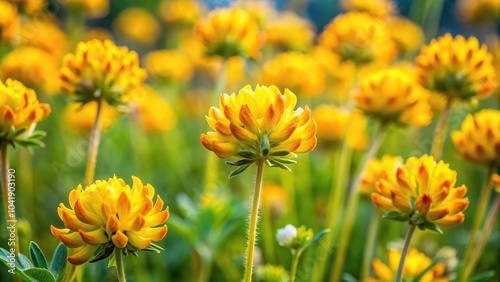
[423,204]
[247,118]
[437,213]
[241,133]
[400,201]
[120,240]
[306,146]
[113,224]
[123,206]
[451,220]
[382,271]
[382,203]
[283,133]
[224,149]
[96,237]
[67,237]
[83,215]
[82,254]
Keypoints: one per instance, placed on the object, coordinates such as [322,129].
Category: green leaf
[103,252]
[187,207]
[240,162]
[246,154]
[280,165]
[59,260]
[430,226]
[3,257]
[280,153]
[37,256]
[482,277]
[286,161]
[40,274]
[398,216]
[24,262]
[153,248]
[239,170]
[183,229]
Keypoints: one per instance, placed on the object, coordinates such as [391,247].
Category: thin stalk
[268,235]
[404,252]
[438,142]
[370,244]
[254,217]
[9,215]
[352,204]
[488,225]
[483,202]
[206,262]
[120,269]
[95,134]
[295,264]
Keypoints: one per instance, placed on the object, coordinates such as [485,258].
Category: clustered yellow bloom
[290,32]
[478,140]
[407,35]
[185,12]
[422,193]
[154,113]
[30,7]
[19,108]
[377,8]
[108,215]
[458,68]
[393,95]
[415,263]
[101,70]
[82,117]
[477,11]
[144,30]
[9,21]
[92,8]
[46,36]
[262,11]
[169,64]
[229,32]
[376,170]
[260,124]
[360,38]
[296,71]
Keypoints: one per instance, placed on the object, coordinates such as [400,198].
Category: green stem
[120,269]
[370,244]
[404,252]
[352,204]
[95,134]
[9,215]
[252,227]
[439,135]
[483,202]
[295,264]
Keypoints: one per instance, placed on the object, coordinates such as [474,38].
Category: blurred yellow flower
[288,31]
[109,214]
[9,21]
[33,67]
[91,8]
[47,36]
[30,7]
[415,263]
[496,182]
[260,124]
[19,108]
[137,25]
[261,11]
[494,46]
[360,38]
[275,199]
[98,33]
[229,32]
[458,68]
[478,140]
[168,64]
[101,70]
[376,170]
[296,71]
[153,112]
[82,117]
[422,193]
[407,35]
[377,8]
[478,11]
[183,12]
[393,95]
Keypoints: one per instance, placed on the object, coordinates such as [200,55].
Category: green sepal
[37,256]
[274,163]
[398,216]
[240,162]
[103,252]
[239,170]
[280,153]
[246,154]
[431,226]
[153,248]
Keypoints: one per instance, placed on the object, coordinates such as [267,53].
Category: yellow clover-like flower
[229,32]
[101,70]
[153,112]
[360,38]
[30,7]
[183,12]
[457,68]
[415,263]
[262,11]
[169,64]
[9,21]
[478,11]
[259,124]
[393,95]
[108,215]
[296,71]
[19,109]
[407,35]
[290,32]
[478,140]
[91,8]
[422,193]
[377,8]
[47,36]
[377,168]
[145,29]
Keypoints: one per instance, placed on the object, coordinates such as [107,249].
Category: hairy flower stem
[120,269]
[483,202]
[95,134]
[252,227]
[10,215]
[439,135]
[370,244]
[352,204]
[404,252]
[295,264]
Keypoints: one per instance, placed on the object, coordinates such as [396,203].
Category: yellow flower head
[184,12]
[82,117]
[101,70]
[290,32]
[260,124]
[30,7]
[415,263]
[377,8]
[19,108]
[393,94]
[91,8]
[9,21]
[275,199]
[360,38]
[478,11]
[229,32]
[46,36]
[169,64]
[407,35]
[261,11]
[109,214]
[297,71]
[144,30]
[34,67]
[334,125]
[377,168]
[458,68]
[422,193]
[478,140]
[154,113]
